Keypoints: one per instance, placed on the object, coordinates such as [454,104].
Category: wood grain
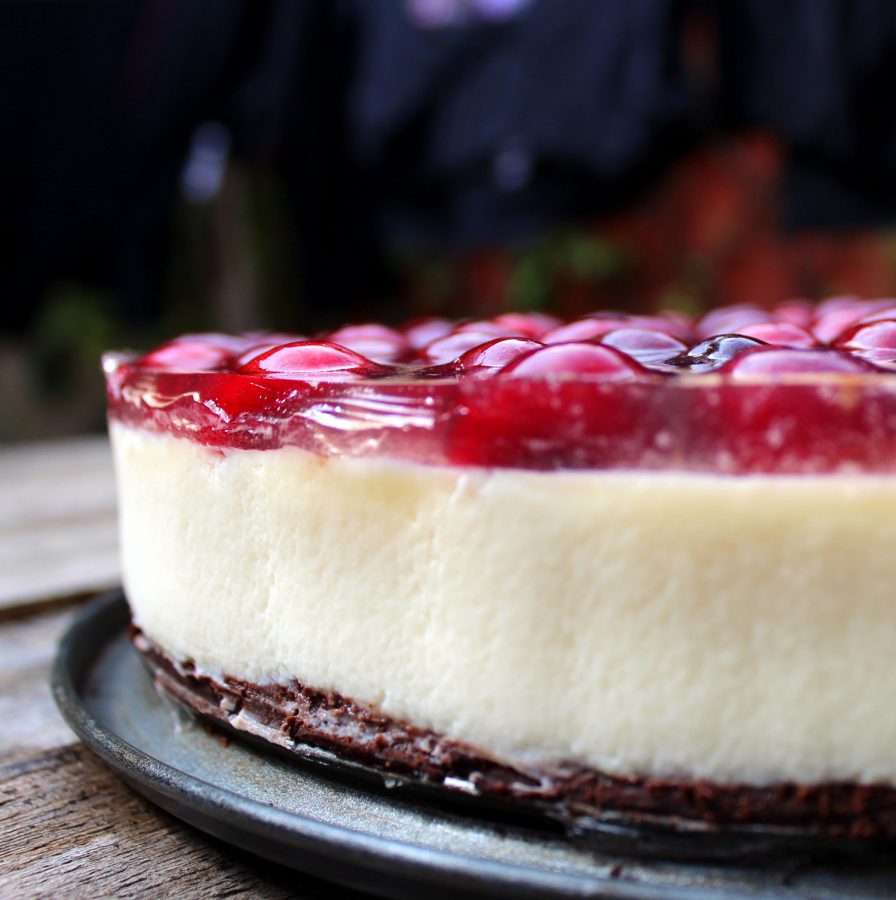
[31,722]
[71,828]
[58,530]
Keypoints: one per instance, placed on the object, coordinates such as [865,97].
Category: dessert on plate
[625,566]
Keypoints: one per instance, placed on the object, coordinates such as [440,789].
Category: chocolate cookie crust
[295,715]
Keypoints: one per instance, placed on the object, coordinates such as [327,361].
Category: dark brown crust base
[295,715]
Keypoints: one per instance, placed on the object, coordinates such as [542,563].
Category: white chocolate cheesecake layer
[741,629]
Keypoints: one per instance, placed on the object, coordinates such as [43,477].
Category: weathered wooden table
[68,826]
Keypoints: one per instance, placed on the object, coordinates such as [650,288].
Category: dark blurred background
[175,165]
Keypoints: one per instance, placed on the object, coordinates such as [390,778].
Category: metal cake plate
[302,814]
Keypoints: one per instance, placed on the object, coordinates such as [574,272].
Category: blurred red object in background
[710,233]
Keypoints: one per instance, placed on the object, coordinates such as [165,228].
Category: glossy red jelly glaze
[497,354]
[796,389]
[873,339]
[313,359]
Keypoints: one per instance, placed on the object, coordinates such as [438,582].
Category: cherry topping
[796,312]
[874,341]
[675,323]
[307,359]
[421,332]
[191,353]
[449,348]
[780,334]
[574,395]
[593,327]
[710,355]
[729,320]
[840,301]
[652,349]
[839,313]
[496,354]
[772,361]
[530,325]
[257,350]
[584,329]
[375,342]
[484,326]
[434,346]
[575,359]
[887,312]
[876,334]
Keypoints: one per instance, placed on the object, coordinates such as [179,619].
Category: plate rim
[401,864]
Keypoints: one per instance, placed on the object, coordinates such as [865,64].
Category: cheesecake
[623,568]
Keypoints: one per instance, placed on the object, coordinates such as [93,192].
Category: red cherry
[583,330]
[375,342]
[309,360]
[421,332]
[874,335]
[841,301]
[729,320]
[887,312]
[780,334]
[796,312]
[452,346]
[484,326]
[839,313]
[530,325]
[767,362]
[256,350]
[652,349]
[669,322]
[849,302]
[593,327]
[188,354]
[259,341]
[489,358]
[828,326]
[565,360]
[710,355]
[874,341]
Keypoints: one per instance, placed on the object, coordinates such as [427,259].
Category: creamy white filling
[741,629]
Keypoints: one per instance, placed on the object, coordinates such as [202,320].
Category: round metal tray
[307,814]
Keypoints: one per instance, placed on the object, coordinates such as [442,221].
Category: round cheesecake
[626,566]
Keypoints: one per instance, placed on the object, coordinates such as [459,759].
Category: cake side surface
[662,624]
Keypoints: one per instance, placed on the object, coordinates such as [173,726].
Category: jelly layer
[794,424]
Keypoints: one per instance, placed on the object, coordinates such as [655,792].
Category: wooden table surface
[69,826]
